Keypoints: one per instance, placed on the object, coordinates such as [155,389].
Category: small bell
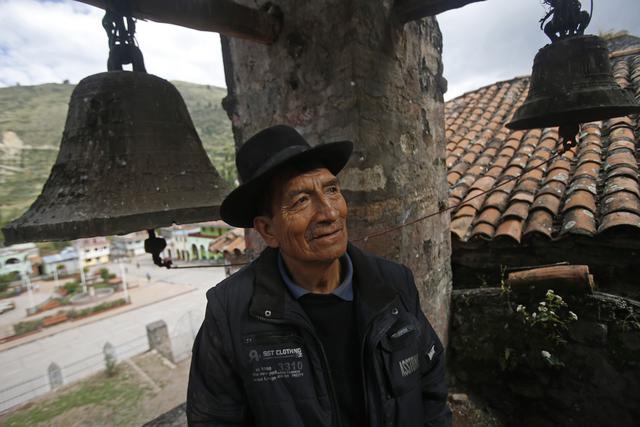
[130,159]
[572,83]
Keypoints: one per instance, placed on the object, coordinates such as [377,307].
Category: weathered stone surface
[55,376]
[596,385]
[593,333]
[347,70]
[158,336]
[177,417]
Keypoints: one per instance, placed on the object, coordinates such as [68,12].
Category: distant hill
[31,124]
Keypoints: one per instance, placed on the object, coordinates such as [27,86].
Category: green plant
[5,279]
[27,326]
[105,275]
[71,287]
[539,334]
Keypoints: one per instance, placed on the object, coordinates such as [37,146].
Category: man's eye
[333,189]
[300,201]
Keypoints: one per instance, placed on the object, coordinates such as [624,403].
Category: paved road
[78,351]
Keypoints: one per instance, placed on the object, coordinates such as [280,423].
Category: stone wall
[592,380]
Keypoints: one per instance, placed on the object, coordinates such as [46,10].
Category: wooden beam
[220,16]
[627,52]
[410,10]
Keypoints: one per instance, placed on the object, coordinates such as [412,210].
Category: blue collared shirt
[344,291]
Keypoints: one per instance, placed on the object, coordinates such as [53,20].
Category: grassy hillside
[31,124]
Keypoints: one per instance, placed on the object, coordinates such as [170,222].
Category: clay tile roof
[589,191]
[230,242]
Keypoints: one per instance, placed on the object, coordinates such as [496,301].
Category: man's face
[309,217]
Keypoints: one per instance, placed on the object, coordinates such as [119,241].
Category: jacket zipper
[325,362]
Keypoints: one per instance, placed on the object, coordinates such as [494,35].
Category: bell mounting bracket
[120,26]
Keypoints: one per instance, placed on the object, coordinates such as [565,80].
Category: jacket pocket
[402,358]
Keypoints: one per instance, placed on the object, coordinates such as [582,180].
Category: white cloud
[49,41]
[497,39]
[43,42]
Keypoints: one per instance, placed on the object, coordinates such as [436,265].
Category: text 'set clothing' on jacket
[257,361]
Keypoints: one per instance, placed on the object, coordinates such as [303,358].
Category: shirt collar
[344,291]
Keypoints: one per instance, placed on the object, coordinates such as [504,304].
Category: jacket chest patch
[409,365]
[270,359]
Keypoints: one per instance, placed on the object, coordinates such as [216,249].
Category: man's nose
[326,209]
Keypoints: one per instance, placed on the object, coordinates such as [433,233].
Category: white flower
[543,303]
[534,315]
[550,292]
[519,308]
[573,316]
[545,354]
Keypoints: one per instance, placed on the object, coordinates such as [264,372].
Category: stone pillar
[55,376]
[158,335]
[343,69]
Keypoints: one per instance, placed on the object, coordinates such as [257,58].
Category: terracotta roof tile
[590,189]
[528,185]
[540,222]
[452,178]
[553,187]
[622,171]
[621,158]
[495,171]
[517,209]
[483,230]
[621,183]
[585,183]
[549,202]
[558,174]
[580,199]
[579,221]
[466,210]
[498,200]
[510,228]
[522,196]
[460,226]
[621,201]
[618,219]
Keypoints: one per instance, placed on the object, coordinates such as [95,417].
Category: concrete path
[77,351]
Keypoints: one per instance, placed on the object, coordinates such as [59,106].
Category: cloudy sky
[53,40]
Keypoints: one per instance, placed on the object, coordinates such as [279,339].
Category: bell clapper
[154,246]
[567,135]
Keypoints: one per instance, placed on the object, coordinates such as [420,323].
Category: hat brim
[240,207]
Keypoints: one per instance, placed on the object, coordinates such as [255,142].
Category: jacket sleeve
[215,395]
[434,383]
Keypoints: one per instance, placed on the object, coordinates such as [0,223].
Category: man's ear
[264,225]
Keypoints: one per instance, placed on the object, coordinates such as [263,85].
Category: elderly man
[314,332]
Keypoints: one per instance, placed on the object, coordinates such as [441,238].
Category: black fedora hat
[264,154]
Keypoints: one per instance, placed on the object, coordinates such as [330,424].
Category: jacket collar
[271,299]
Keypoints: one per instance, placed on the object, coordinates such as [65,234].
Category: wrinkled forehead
[289,179]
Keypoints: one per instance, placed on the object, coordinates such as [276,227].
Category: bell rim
[18,232]
[595,114]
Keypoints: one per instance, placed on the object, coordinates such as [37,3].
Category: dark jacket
[257,361]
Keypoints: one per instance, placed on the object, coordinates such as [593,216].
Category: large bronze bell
[572,83]
[130,159]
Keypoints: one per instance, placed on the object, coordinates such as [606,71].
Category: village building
[191,242]
[21,258]
[128,245]
[230,246]
[517,201]
[64,263]
[92,251]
